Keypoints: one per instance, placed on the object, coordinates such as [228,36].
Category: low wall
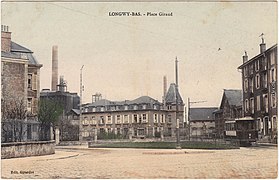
[71,143]
[26,149]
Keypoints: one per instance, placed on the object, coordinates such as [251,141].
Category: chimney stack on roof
[54,80]
[5,39]
[262,46]
[245,57]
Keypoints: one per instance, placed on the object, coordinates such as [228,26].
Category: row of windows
[119,119]
[135,131]
[266,123]
[248,125]
[202,128]
[260,81]
[117,108]
[250,104]
[249,69]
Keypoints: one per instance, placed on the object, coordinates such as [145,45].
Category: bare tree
[14,114]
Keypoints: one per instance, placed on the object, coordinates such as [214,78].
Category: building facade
[202,123]
[20,83]
[259,84]
[67,100]
[140,118]
[230,109]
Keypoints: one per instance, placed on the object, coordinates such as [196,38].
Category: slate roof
[234,96]
[170,96]
[76,111]
[20,52]
[10,55]
[202,114]
[18,48]
[140,100]
[144,99]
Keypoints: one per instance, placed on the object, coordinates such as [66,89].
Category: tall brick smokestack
[54,77]
[164,89]
[165,86]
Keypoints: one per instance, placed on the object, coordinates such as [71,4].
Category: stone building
[202,123]
[230,108]
[259,85]
[142,117]
[20,73]
[20,82]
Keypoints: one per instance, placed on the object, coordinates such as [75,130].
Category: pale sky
[127,57]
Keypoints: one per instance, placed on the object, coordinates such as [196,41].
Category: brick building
[141,117]
[20,82]
[202,123]
[259,84]
[230,108]
[20,73]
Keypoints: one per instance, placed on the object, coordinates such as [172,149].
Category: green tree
[48,115]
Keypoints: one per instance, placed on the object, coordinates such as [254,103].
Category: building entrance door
[266,126]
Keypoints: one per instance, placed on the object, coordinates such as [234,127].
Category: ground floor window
[140,132]
[135,132]
[109,130]
[102,130]
[126,130]
[118,131]
[169,131]
[274,122]
[29,132]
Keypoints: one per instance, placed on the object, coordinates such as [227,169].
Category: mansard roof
[140,100]
[144,100]
[18,48]
[20,52]
[172,94]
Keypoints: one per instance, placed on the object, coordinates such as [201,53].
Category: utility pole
[176,104]
[80,104]
[189,104]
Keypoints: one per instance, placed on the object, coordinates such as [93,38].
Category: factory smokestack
[54,80]
[165,86]
[164,89]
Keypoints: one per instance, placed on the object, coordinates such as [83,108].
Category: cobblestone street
[80,162]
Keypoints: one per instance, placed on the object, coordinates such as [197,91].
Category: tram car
[242,131]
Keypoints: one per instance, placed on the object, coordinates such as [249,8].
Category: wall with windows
[139,123]
[33,89]
[202,128]
[260,90]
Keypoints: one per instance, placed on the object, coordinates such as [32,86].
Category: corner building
[259,82]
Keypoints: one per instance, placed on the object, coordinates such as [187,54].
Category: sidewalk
[267,144]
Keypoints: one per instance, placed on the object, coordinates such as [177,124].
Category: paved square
[81,162]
